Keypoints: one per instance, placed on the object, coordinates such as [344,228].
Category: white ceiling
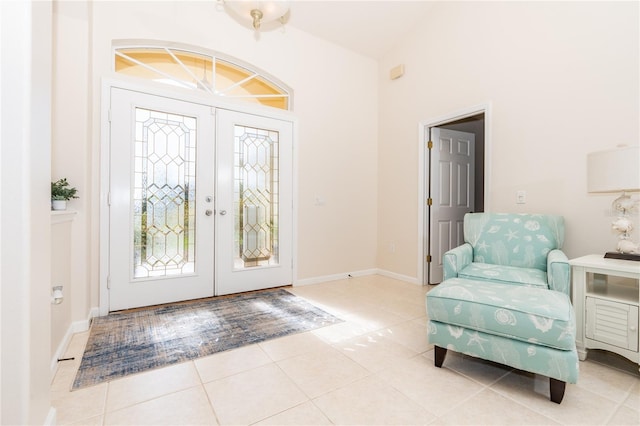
[371,28]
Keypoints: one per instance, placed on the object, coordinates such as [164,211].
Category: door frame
[423,170]
[158,89]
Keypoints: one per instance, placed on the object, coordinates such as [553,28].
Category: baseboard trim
[62,347]
[74,327]
[51,419]
[400,277]
[334,277]
[365,272]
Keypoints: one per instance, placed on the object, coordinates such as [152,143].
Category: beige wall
[61,228]
[562,81]
[25,123]
[71,148]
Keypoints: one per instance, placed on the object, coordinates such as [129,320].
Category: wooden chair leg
[440,353]
[556,389]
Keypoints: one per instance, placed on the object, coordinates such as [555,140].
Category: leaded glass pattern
[164,202]
[256,172]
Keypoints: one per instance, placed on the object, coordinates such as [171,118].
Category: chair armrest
[457,259]
[559,272]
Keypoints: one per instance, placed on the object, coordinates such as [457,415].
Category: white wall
[25,216]
[61,228]
[335,101]
[71,149]
[562,79]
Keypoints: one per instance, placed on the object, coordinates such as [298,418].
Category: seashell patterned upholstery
[505,297]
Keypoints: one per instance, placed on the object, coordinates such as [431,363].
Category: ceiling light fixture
[258,12]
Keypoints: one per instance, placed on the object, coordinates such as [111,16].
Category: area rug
[131,342]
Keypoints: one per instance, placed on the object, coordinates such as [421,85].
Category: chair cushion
[505,274]
[529,314]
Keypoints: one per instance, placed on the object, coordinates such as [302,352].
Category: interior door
[451,187]
[161,200]
[254,202]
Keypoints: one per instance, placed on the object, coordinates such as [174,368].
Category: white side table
[606,299]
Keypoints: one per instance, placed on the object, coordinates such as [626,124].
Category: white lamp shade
[614,170]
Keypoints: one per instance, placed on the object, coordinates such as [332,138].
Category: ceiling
[371,28]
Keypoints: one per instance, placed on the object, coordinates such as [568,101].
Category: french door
[254,202]
[196,200]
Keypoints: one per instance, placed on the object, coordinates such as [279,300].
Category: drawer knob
[633,328]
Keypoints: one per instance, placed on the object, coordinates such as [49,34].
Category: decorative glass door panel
[254,248]
[164,194]
[170,233]
[161,236]
[255,197]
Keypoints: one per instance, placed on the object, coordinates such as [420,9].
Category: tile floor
[374,368]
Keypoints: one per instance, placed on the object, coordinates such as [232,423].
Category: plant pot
[59,204]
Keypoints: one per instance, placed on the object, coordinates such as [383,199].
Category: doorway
[453,181]
[199,200]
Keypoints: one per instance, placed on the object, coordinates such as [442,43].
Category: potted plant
[61,192]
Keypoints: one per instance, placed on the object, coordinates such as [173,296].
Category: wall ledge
[59,216]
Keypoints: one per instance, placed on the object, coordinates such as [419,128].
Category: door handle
[208,212]
[223,212]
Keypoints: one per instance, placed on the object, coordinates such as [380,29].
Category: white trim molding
[399,277]
[334,277]
[348,275]
[74,327]
[59,216]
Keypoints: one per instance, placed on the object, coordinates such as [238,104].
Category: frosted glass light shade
[614,170]
[269,10]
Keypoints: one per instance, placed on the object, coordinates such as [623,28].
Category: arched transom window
[201,70]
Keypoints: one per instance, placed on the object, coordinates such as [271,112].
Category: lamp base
[623,256]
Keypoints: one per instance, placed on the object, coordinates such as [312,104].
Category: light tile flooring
[374,368]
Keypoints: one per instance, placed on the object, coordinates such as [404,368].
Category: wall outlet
[521,197]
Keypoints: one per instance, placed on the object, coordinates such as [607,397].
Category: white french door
[254,204]
[161,192]
[200,201]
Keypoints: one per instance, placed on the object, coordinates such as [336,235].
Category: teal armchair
[505,297]
[518,249]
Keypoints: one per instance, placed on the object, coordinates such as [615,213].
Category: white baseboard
[80,326]
[62,347]
[334,277]
[51,417]
[365,272]
[397,276]
[74,327]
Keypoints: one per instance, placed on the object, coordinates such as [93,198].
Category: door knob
[223,212]
[208,212]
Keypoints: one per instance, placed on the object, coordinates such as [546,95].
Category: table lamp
[618,170]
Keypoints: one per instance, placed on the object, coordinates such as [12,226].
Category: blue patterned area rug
[139,340]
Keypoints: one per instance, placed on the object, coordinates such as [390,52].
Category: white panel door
[254,204]
[161,200]
[452,184]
